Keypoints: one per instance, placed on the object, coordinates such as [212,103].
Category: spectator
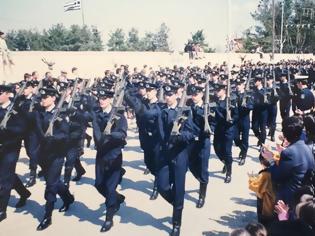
[295,160]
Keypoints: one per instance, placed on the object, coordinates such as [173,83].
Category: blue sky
[182,16]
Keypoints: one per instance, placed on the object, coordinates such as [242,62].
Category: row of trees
[158,41]
[298,26]
[56,38]
[83,38]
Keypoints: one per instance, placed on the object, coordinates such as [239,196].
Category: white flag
[71,6]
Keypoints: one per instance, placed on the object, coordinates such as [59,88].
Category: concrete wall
[93,64]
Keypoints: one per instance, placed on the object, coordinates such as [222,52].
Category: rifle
[73,93]
[274,84]
[117,105]
[265,86]
[244,99]
[40,85]
[206,129]
[161,94]
[289,82]
[55,116]
[228,99]
[3,124]
[181,108]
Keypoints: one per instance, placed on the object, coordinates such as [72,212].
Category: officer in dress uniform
[224,131]
[31,139]
[272,107]
[51,154]
[304,98]
[260,112]
[78,119]
[199,157]
[149,112]
[245,105]
[10,145]
[175,155]
[108,166]
[285,96]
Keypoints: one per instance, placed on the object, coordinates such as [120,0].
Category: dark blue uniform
[259,116]
[78,121]
[272,110]
[108,165]
[31,139]
[303,100]
[10,145]
[51,158]
[285,100]
[174,160]
[243,124]
[224,133]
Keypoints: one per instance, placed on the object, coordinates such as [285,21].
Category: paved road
[228,206]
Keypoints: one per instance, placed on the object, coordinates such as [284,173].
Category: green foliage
[199,38]
[150,42]
[298,31]
[56,38]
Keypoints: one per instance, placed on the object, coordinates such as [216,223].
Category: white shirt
[5,105]
[107,109]
[50,108]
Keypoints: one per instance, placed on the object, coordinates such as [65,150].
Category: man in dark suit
[295,160]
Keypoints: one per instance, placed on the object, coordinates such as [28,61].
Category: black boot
[202,195]
[228,176]
[3,215]
[108,224]
[242,158]
[224,169]
[22,201]
[46,221]
[177,219]
[146,171]
[79,169]
[67,176]
[88,140]
[154,194]
[67,203]
[32,180]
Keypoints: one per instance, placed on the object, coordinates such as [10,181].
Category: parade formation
[180,113]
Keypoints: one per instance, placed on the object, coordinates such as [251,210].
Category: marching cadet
[78,119]
[149,112]
[52,152]
[108,166]
[224,131]
[10,145]
[272,107]
[304,100]
[31,140]
[245,105]
[175,154]
[285,95]
[200,154]
[260,113]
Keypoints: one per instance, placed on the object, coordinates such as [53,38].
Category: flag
[71,6]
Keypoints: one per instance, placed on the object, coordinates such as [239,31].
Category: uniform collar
[50,108]
[5,105]
[107,109]
[29,96]
[172,107]
[199,104]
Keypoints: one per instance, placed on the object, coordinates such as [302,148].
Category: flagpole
[82,11]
